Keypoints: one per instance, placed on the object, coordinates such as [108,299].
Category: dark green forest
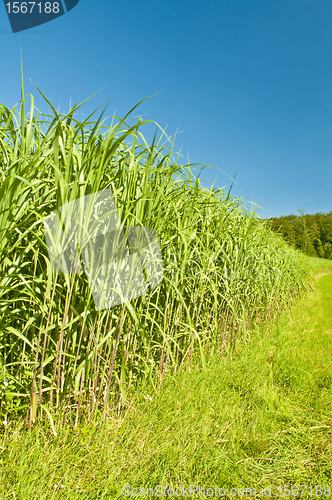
[312,234]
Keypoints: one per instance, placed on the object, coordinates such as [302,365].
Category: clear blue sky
[247,83]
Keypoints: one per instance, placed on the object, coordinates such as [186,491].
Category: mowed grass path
[258,416]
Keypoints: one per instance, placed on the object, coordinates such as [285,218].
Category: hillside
[312,234]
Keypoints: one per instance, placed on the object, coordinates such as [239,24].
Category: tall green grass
[223,271]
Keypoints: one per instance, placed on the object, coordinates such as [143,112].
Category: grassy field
[181,384]
[260,415]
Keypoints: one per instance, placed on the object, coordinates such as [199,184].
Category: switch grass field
[224,269]
[211,378]
[260,415]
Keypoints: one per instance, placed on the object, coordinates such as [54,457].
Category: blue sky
[247,84]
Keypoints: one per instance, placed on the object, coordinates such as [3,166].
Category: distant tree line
[312,234]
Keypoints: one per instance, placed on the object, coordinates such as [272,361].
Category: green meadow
[218,377]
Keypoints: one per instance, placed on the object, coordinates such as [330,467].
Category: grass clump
[223,271]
